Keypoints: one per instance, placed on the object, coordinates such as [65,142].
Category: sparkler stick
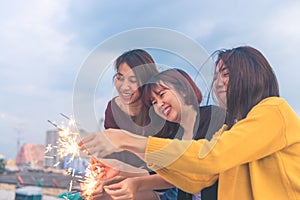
[73,122]
[71,182]
[55,125]
[65,116]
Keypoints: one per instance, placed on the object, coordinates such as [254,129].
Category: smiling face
[126,84]
[167,102]
[221,83]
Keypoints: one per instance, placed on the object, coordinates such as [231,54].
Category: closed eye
[161,93]
[133,79]
[224,72]
[153,102]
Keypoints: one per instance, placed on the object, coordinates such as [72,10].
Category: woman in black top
[174,97]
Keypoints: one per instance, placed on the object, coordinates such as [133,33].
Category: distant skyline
[44,44]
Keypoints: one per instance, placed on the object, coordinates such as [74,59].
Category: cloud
[281,35]
[32,32]
[33,48]
[285,23]
[10,118]
[44,44]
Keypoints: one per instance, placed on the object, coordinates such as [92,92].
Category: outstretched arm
[113,140]
[132,187]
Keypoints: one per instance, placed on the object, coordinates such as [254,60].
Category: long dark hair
[144,67]
[251,79]
[141,59]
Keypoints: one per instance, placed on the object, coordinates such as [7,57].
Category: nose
[219,82]
[160,103]
[125,85]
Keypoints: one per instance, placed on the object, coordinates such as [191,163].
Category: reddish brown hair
[180,81]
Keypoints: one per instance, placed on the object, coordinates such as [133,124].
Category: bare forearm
[134,143]
[113,140]
[133,174]
[146,195]
[151,182]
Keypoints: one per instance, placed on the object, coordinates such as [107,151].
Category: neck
[188,121]
[135,108]
[132,109]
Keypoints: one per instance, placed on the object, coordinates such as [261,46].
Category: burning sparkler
[91,181]
[68,136]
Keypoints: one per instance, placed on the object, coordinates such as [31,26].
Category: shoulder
[205,109]
[271,105]
[275,108]
[272,101]
[211,119]
[109,121]
[108,107]
[110,104]
[212,110]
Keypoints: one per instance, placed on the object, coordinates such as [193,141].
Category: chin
[126,102]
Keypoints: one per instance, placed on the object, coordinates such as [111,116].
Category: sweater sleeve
[260,134]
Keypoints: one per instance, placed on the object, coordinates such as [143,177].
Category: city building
[51,158]
[31,155]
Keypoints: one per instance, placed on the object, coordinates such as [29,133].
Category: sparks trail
[68,136]
[67,139]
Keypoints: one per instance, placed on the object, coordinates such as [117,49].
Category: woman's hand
[99,192]
[111,167]
[108,168]
[99,143]
[125,189]
[112,140]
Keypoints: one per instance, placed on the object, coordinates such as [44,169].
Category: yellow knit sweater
[259,158]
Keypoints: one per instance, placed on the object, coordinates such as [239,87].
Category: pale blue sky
[44,43]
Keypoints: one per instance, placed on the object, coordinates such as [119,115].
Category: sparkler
[55,125]
[68,137]
[88,181]
[67,140]
[91,181]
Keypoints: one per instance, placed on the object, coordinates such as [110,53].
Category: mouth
[221,92]
[126,96]
[166,111]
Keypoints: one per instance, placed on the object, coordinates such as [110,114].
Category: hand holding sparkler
[107,172]
[104,143]
[125,189]
[111,167]
[99,192]
[113,140]
[100,143]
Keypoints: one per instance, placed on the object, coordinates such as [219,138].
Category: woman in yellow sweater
[255,155]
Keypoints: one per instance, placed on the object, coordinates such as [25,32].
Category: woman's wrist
[138,183]
[134,143]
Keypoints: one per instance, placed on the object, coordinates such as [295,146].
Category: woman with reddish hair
[175,98]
